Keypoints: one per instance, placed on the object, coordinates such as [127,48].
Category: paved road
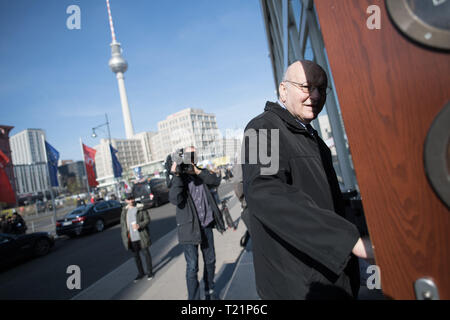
[45,221]
[96,255]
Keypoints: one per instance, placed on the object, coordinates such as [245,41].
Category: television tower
[119,65]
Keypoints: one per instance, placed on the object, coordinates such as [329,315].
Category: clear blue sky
[207,54]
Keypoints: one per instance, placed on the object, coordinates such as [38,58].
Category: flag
[127,187]
[6,191]
[117,168]
[52,161]
[89,161]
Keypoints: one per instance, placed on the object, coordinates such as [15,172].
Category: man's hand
[135,226]
[173,168]
[196,170]
[363,249]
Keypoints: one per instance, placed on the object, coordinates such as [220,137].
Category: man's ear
[282,91]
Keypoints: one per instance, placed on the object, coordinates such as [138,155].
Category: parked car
[151,193]
[15,247]
[88,218]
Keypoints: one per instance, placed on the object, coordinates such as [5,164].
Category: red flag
[6,191]
[89,161]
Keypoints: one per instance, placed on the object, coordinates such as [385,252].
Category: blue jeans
[209,259]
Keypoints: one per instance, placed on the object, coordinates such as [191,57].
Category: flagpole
[84,166]
[110,145]
[50,182]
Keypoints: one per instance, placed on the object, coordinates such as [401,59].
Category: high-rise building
[130,153]
[158,150]
[31,178]
[231,148]
[29,159]
[184,128]
[188,127]
[147,144]
[72,175]
[27,146]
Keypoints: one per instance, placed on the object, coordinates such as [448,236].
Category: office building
[188,127]
[72,176]
[29,160]
[147,144]
[27,146]
[130,153]
[31,178]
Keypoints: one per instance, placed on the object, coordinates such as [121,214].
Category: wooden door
[390,90]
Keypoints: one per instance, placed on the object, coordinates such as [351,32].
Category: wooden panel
[390,90]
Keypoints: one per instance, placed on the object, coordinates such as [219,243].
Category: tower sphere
[117,63]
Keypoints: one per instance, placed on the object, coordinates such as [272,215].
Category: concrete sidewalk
[169,265]
[234,280]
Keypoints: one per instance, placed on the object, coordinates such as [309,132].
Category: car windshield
[80,210]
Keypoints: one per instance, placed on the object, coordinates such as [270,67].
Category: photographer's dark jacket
[302,245]
[188,223]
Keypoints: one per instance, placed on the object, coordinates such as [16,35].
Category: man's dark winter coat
[188,223]
[301,242]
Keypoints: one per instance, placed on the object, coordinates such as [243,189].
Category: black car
[15,247]
[91,217]
[151,193]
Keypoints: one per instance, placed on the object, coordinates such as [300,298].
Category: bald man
[303,248]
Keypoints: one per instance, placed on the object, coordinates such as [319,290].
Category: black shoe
[138,277]
[150,276]
[211,296]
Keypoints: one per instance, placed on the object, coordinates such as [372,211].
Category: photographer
[197,214]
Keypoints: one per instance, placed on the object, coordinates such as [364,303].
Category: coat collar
[286,116]
[139,206]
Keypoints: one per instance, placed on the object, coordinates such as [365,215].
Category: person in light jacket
[134,222]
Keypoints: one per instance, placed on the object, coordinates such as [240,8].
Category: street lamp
[94,135]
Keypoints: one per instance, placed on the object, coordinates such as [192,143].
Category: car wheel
[99,225]
[42,247]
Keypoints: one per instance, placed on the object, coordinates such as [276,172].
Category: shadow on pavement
[173,253]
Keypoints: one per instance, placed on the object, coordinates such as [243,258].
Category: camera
[184,161]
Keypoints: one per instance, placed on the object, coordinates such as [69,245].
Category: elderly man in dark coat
[303,247]
[134,222]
